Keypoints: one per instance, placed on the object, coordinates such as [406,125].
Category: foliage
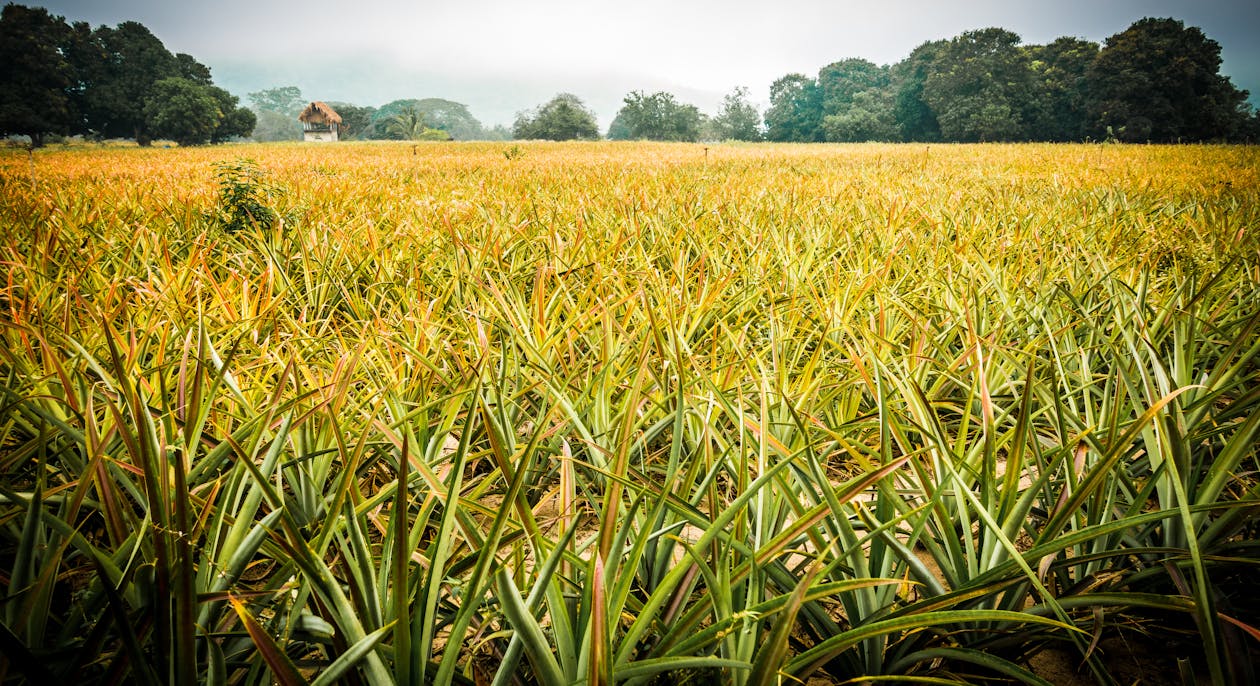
[658,117]
[564,117]
[286,100]
[915,118]
[356,121]
[1160,81]
[190,113]
[245,197]
[272,126]
[412,125]
[182,111]
[738,120]
[867,117]
[1058,111]
[880,413]
[795,113]
[35,77]
[451,117]
[237,122]
[980,86]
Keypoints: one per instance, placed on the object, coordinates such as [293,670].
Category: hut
[319,122]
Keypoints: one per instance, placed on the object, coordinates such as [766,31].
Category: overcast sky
[502,56]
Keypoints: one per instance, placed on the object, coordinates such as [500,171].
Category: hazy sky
[502,56]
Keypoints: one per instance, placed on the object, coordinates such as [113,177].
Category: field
[635,413]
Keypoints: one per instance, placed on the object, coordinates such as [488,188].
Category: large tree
[916,121]
[36,80]
[1159,80]
[562,118]
[857,101]
[659,117]
[1058,109]
[134,60]
[181,110]
[980,86]
[738,119]
[236,122]
[795,112]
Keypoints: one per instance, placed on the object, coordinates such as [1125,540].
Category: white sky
[502,56]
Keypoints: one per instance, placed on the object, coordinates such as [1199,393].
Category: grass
[628,413]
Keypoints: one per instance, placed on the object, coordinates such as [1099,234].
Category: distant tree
[980,86]
[412,125]
[916,121]
[499,132]
[181,110]
[1158,80]
[134,60]
[35,78]
[1057,111]
[273,126]
[286,100]
[385,120]
[659,117]
[564,117]
[738,119]
[795,112]
[356,121]
[618,130]
[451,117]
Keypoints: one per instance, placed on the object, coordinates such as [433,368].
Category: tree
[659,117]
[795,112]
[189,68]
[857,101]
[451,117]
[356,121]
[273,126]
[411,125]
[868,117]
[134,60]
[738,119]
[286,100]
[564,117]
[1058,112]
[842,81]
[980,86]
[1158,80]
[181,110]
[236,122]
[916,121]
[35,77]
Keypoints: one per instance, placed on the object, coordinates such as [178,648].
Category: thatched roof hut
[319,113]
[319,122]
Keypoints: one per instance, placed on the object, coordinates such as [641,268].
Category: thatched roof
[319,113]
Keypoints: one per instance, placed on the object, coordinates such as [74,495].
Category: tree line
[108,82]
[1157,80]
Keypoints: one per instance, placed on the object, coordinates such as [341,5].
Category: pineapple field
[635,413]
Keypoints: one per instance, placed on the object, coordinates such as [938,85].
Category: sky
[500,57]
